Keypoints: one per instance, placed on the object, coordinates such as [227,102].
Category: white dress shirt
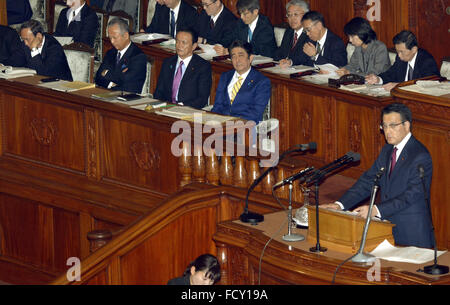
[235,79]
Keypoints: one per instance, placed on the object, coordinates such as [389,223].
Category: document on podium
[412,255]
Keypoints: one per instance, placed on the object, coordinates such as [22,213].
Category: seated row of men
[307,42]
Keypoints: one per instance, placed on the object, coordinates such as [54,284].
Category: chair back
[279,32]
[81,61]
[445,68]
[146,86]
[350,50]
[39,9]
[59,6]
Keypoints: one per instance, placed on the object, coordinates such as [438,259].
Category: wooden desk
[239,248]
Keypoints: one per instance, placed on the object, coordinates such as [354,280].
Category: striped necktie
[236,88]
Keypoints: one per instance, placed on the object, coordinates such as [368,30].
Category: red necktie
[211,23]
[177,81]
[294,42]
[393,160]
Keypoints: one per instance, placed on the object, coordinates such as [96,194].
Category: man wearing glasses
[403,198]
[215,23]
[328,47]
[290,51]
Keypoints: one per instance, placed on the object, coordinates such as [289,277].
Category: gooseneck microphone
[435,268]
[255,218]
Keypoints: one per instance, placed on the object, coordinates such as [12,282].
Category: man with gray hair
[124,66]
[43,52]
[290,52]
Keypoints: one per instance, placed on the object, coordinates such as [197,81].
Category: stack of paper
[259,59]
[430,87]
[180,112]
[66,86]
[288,70]
[208,51]
[8,72]
[141,37]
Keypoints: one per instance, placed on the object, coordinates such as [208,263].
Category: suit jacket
[334,52]
[131,80]
[223,28]
[402,196]
[250,101]
[187,18]
[374,61]
[296,54]
[263,38]
[18,11]
[195,85]
[51,62]
[11,48]
[424,66]
[83,30]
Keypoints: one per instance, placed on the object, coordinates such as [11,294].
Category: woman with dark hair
[204,270]
[370,55]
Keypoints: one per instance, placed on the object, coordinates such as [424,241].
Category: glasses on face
[308,29]
[204,5]
[294,15]
[390,126]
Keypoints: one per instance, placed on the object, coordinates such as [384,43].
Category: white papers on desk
[180,112]
[412,255]
[259,59]
[66,86]
[8,72]
[208,51]
[330,68]
[141,37]
[372,90]
[429,87]
[289,70]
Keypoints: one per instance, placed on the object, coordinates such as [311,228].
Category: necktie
[117,58]
[294,42]
[177,81]
[236,88]
[73,17]
[172,23]
[318,49]
[410,73]
[393,160]
[211,23]
[250,34]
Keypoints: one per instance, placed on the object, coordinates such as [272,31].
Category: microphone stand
[434,269]
[362,257]
[318,248]
[291,236]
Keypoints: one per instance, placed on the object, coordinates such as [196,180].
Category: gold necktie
[236,88]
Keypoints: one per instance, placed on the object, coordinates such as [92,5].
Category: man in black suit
[328,47]
[43,52]
[78,21]
[215,23]
[124,66]
[253,28]
[290,51]
[186,77]
[11,50]
[411,62]
[173,15]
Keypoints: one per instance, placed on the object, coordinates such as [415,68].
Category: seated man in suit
[124,67]
[18,11]
[173,15]
[78,21]
[328,47]
[43,52]
[243,92]
[11,50]
[186,77]
[215,23]
[411,62]
[403,199]
[254,28]
[290,51]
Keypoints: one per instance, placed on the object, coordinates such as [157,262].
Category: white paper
[140,37]
[330,68]
[289,70]
[8,72]
[412,255]
[208,51]
[259,59]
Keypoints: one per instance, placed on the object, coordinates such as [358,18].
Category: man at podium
[403,199]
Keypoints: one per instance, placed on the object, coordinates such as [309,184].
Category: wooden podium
[341,231]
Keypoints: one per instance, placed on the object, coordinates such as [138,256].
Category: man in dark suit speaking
[43,52]
[78,21]
[411,63]
[124,66]
[186,77]
[243,92]
[403,199]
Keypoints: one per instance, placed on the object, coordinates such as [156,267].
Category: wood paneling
[3,16]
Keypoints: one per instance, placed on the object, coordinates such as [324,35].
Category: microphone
[293,177]
[435,268]
[309,146]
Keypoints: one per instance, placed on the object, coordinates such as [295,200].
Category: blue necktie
[172,23]
[250,34]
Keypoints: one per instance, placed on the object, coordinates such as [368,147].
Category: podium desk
[240,245]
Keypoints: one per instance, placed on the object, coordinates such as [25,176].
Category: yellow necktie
[236,88]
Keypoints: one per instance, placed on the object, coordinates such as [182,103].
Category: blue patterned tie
[172,23]
[250,35]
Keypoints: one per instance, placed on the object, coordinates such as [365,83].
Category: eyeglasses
[207,5]
[308,29]
[390,126]
[294,15]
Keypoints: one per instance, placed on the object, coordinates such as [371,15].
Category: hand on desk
[220,50]
[389,86]
[372,79]
[285,63]
[364,210]
[331,206]
[342,72]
